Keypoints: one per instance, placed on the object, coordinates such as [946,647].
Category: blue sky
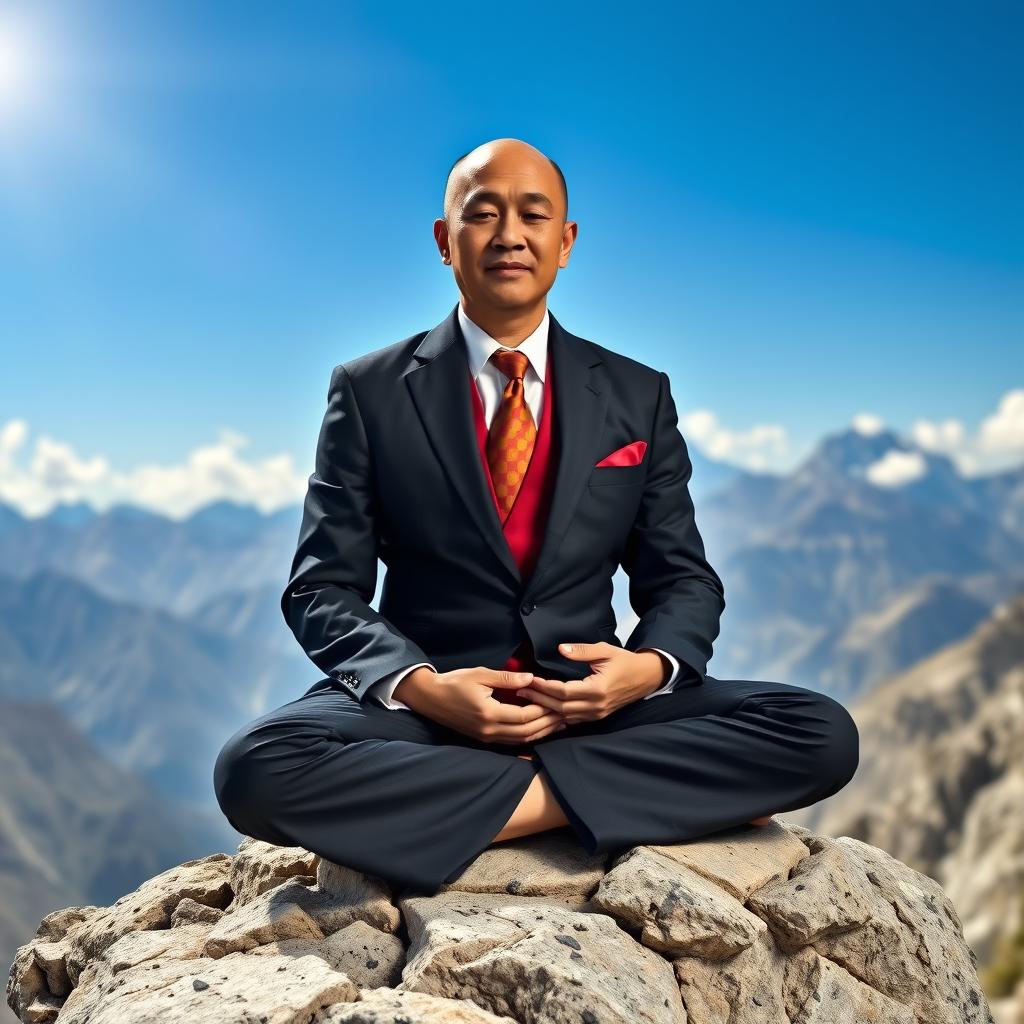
[803,213]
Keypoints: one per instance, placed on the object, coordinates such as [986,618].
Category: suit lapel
[581,402]
[440,385]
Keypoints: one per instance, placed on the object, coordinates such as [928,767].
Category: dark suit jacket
[398,475]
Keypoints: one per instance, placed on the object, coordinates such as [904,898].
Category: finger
[539,682]
[547,702]
[505,679]
[540,727]
[575,711]
[581,652]
[551,687]
[517,714]
[562,724]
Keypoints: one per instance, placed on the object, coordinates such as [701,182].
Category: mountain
[72,515]
[251,617]
[914,623]
[11,520]
[941,777]
[134,555]
[810,559]
[805,556]
[709,475]
[158,693]
[75,828]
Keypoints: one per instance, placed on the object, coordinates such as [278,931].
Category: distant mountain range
[148,640]
[157,692]
[832,580]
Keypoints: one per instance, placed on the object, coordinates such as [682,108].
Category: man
[502,468]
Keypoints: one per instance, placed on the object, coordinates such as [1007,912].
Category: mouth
[507,271]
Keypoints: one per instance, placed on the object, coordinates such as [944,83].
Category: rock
[260,866]
[679,912]
[150,906]
[371,958]
[824,895]
[533,958]
[741,861]
[753,925]
[385,1006]
[277,990]
[762,984]
[368,898]
[547,864]
[270,918]
[912,947]
[188,911]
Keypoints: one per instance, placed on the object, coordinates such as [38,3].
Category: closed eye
[540,216]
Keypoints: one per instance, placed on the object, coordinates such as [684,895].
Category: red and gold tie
[512,433]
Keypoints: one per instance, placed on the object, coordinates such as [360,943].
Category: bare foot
[761,821]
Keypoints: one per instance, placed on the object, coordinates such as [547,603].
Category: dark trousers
[396,795]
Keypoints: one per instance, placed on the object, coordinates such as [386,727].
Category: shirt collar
[480,345]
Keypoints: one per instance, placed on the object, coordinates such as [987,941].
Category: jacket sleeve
[334,571]
[672,587]
[384,690]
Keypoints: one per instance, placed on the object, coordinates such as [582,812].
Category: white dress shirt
[490,382]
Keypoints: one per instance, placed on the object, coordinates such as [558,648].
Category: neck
[509,327]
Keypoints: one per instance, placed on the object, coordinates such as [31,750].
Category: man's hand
[619,677]
[463,700]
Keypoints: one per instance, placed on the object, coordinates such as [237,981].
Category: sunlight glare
[20,71]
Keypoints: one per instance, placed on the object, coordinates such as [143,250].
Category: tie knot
[512,364]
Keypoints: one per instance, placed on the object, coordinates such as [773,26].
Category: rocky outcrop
[940,782]
[752,925]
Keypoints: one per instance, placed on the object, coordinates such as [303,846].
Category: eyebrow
[494,197]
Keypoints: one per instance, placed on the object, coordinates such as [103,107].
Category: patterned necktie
[512,433]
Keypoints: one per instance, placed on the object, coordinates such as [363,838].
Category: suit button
[527,608]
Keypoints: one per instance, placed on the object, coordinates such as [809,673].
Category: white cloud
[58,467]
[1003,431]
[868,424]
[896,468]
[757,449]
[12,437]
[55,472]
[998,443]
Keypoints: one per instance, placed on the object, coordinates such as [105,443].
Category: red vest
[524,528]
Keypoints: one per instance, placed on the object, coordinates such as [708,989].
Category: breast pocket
[617,476]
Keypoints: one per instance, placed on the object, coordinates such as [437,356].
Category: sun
[20,70]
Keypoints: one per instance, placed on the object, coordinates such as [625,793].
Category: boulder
[751,925]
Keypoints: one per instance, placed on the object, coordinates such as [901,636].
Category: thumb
[503,678]
[575,650]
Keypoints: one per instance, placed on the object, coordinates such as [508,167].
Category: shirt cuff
[673,675]
[384,688]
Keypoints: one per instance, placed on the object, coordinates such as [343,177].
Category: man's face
[509,210]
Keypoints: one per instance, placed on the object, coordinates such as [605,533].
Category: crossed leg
[394,794]
[699,759]
[539,811]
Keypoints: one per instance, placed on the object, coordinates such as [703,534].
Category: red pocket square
[627,455]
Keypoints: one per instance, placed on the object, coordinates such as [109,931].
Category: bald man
[502,468]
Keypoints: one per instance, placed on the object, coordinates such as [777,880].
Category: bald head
[501,157]
[505,202]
